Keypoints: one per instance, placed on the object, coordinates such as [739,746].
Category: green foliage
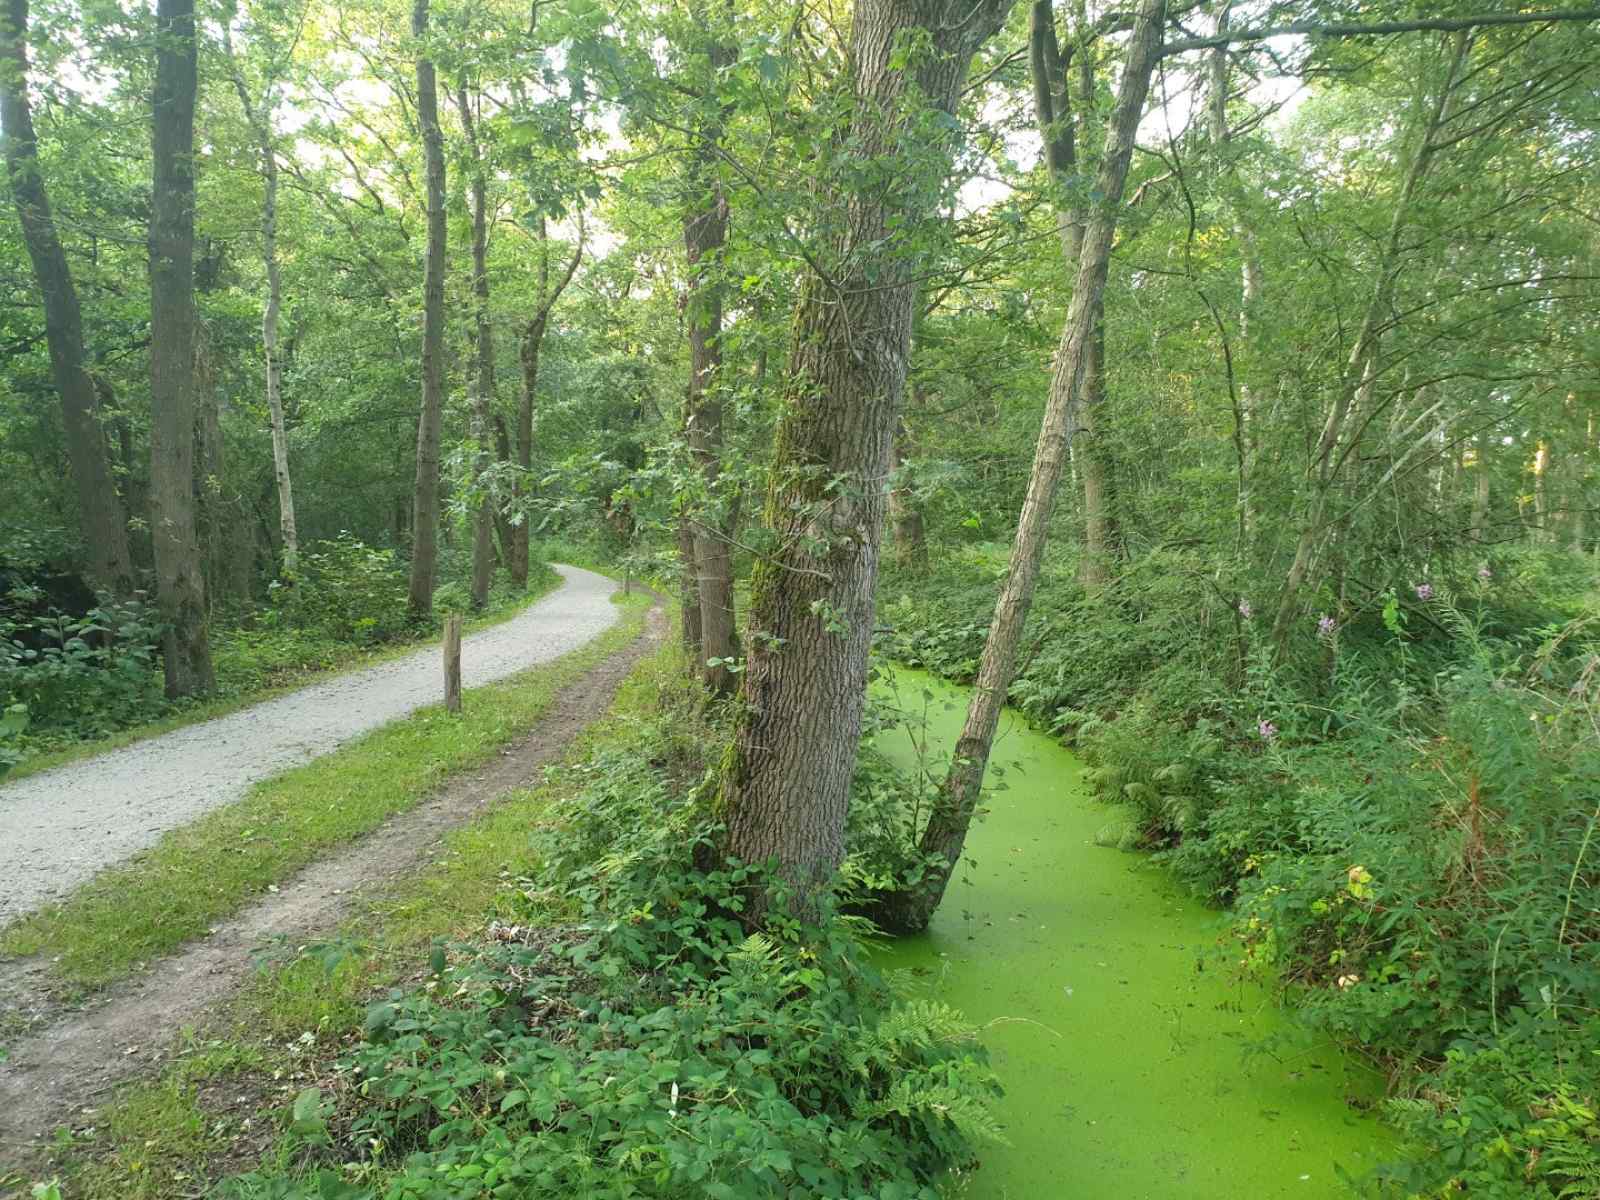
[79,676]
[647,1044]
[344,589]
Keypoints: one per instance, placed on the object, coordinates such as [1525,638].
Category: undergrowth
[616,1031]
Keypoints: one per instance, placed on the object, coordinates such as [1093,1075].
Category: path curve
[60,827]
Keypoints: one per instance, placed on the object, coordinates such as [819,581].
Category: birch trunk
[260,122]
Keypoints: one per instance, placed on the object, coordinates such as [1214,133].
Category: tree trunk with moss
[785,785]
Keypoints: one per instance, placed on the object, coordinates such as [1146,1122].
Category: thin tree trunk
[705,231]
[260,122]
[1361,364]
[946,831]
[425,495]
[785,783]
[528,359]
[1480,490]
[180,584]
[910,534]
[528,354]
[105,526]
[483,338]
[216,544]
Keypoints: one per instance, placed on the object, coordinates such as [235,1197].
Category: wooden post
[452,662]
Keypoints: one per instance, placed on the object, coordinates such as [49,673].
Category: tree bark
[260,122]
[425,495]
[180,584]
[483,341]
[705,232]
[946,832]
[104,524]
[786,780]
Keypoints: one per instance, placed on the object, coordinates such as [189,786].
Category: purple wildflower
[1484,573]
[1245,610]
[1424,592]
[1326,626]
[1267,730]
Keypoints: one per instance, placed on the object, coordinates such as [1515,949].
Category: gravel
[60,827]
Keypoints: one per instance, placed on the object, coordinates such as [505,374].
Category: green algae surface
[1135,1067]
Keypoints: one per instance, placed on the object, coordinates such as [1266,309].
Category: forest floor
[76,1052]
[60,827]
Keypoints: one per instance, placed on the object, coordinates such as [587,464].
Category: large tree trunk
[483,339]
[260,122]
[180,585]
[946,831]
[105,528]
[425,495]
[785,785]
[705,231]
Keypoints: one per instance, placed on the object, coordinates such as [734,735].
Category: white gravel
[60,827]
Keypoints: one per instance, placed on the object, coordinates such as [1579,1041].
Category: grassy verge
[222,1105]
[350,657]
[213,867]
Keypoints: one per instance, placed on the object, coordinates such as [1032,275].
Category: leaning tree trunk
[260,122]
[483,338]
[705,231]
[105,528]
[425,496]
[785,783]
[180,584]
[946,831]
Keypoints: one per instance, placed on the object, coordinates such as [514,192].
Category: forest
[1032,612]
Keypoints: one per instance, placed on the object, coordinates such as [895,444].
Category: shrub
[344,589]
[76,677]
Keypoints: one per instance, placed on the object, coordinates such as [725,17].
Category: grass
[283,1030]
[543,580]
[213,867]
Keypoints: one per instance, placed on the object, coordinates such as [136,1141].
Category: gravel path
[60,827]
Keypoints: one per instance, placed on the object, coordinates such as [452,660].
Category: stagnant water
[1134,1066]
